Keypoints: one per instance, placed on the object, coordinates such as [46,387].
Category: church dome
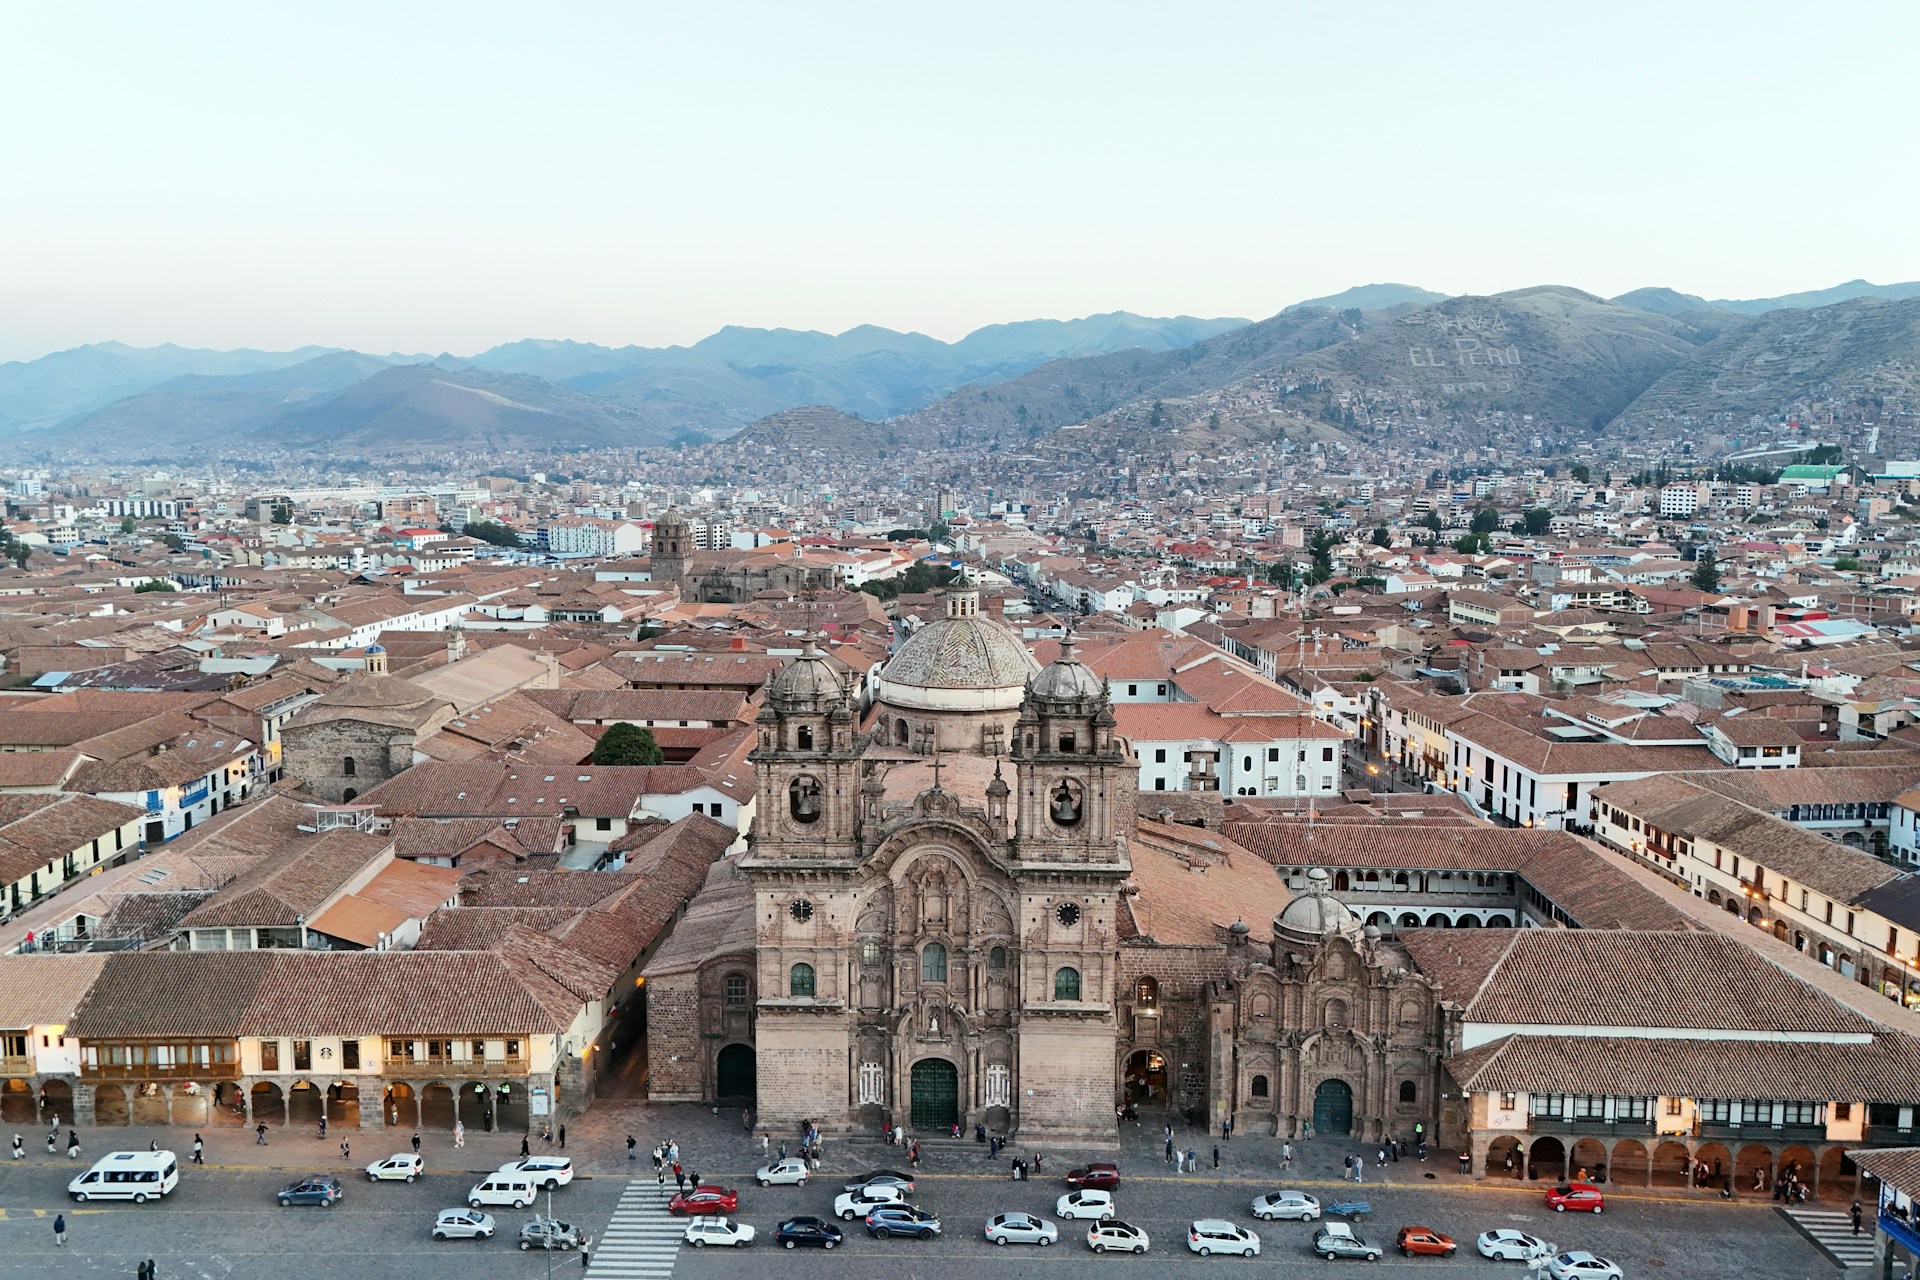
[808,683]
[962,662]
[1316,913]
[1066,678]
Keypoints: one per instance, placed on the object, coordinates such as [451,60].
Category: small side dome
[808,683]
[1239,928]
[1316,914]
[376,648]
[1066,678]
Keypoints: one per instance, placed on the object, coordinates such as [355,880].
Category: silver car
[549,1233]
[788,1172]
[1292,1205]
[1021,1228]
[463,1224]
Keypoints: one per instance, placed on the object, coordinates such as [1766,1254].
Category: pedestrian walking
[563,1137]
[416,1144]
[783,1151]
[1286,1155]
[53,1140]
[1216,1155]
[1193,1160]
[144,1271]
[679,1179]
[660,1176]
[1036,1162]
[19,1149]
[1466,1163]
[1393,1151]
[60,1229]
[746,1119]
[767,1138]
[1226,1131]
[260,1134]
[1306,1131]
[1169,1150]
[346,1151]
[459,1133]
[633,1152]
[73,1144]
[673,1151]
[1854,1212]
[323,1128]
[524,1151]
[1380,1161]
[55,1126]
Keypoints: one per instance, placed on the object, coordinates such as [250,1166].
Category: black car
[811,1232]
[889,1220]
[885,1178]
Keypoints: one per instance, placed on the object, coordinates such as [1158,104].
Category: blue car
[795,1233]
[888,1220]
[322,1189]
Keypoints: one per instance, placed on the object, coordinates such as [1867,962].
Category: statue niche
[803,798]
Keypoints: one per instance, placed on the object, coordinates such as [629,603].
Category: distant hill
[1664,302]
[818,426]
[40,393]
[1372,297]
[216,405]
[1824,297]
[1867,346]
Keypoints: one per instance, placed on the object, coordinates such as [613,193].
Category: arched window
[1408,1091]
[1066,984]
[933,962]
[800,981]
[348,767]
[736,989]
[803,798]
[1146,994]
[997,958]
[346,797]
[1259,1086]
[803,738]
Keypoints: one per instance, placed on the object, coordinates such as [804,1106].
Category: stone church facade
[725,577]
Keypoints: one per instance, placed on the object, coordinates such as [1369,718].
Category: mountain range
[1569,358]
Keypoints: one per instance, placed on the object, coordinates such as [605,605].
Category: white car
[1286,1204]
[788,1172]
[1085,1204]
[546,1172]
[1209,1236]
[463,1224]
[702,1232]
[1578,1264]
[1512,1246]
[401,1168]
[1120,1237]
[854,1204]
[1021,1228]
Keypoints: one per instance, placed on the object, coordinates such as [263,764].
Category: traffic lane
[221,1224]
[1641,1235]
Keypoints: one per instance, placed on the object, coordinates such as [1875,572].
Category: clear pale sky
[428,177]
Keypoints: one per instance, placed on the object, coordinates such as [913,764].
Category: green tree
[126,524]
[1320,545]
[492,532]
[283,513]
[1706,572]
[939,531]
[1280,574]
[1485,520]
[1579,471]
[174,542]
[627,744]
[1431,520]
[1848,564]
[1536,520]
[1472,544]
[158,584]
[1382,538]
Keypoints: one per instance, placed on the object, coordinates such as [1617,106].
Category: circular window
[801,910]
[1067,913]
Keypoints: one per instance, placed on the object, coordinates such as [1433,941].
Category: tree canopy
[627,744]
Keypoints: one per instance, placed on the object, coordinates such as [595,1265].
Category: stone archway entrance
[1333,1108]
[936,1094]
[1146,1078]
[16,1102]
[735,1075]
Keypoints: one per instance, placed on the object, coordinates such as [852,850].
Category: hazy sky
[427,177]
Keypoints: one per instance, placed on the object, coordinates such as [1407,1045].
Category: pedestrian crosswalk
[642,1240]
[1832,1231]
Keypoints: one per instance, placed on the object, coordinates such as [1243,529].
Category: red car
[1096,1177]
[1414,1240]
[704,1200]
[1581,1197]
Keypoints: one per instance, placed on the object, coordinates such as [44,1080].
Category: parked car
[1099,1175]
[857,1202]
[1021,1228]
[545,1172]
[702,1232]
[463,1224]
[1122,1237]
[1581,1197]
[1216,1235]
[1085,1204]
[549,1233]
[1337,1240]
[1509,1245]
[795,1233]
[1292,1205]
[883,1178]
[791,1172]
[709,1200]
[322,1189]
[404,1167]
[1423,1240]
[1578,1264]
[890,1220]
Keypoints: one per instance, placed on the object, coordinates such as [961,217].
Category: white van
[508,1187]
[138,1176]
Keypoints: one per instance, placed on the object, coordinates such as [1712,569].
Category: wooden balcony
[453,1069]
[144,1071]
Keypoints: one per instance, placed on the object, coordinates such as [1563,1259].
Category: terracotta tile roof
[45,989]
[37,768]
[285,890]
[41,827]
[1694,980]
[1192,884]
[1899,1166]
[718,922]
[173,993]
[466,928]
[1883,1070]
[403,992]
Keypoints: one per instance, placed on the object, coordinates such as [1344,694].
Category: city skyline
[394,183]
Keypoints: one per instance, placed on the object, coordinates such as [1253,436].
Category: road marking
[642,1241]
[1832,1233]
